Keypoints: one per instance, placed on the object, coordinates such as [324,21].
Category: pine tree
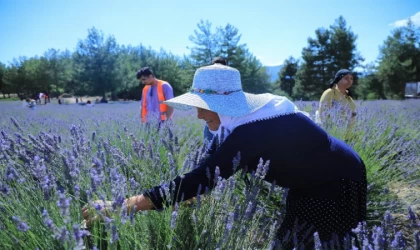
[399,60]
[98,56]
[225,41]
[286,79]
[314,73]
[205,44]
[370,87]
[331,50]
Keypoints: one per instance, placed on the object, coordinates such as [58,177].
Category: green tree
[228,46]
[97,58]
[287,74]
[312,76]
[399,60]
[343,49]
[166,67]
[59,69]
[370,87]
[20,77]
[254,76]
[205,44]
[225,41]
[127,64]
[3,87]
[331,50]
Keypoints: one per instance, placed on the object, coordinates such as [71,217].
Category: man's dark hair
[145,71]
[219,59]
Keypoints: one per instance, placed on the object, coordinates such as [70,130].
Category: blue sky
[272,29]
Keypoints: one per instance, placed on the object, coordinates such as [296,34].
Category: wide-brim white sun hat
[218,88]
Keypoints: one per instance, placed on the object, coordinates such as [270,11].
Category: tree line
[100,66]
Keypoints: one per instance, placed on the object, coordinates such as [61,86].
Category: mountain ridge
[273,72]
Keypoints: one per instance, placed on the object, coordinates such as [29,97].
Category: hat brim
[234,104]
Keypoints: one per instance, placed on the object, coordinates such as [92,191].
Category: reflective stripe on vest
[161,98]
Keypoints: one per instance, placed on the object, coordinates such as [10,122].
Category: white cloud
[414,18]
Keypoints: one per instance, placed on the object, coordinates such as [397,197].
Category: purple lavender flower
[378,237]
[64,204]
[231,185]
[16,123]
[78,235]
[4,188]
[6,136]
[173,219]
[220,187]
[398,242]
[20,225]
[248,211]
[11,173]
[216,175]
[172,166]
[114,234]
[317,240]
[95,178]
[134,185]
[262,169]
[118,186]
[416,240]
[388,218]
[47,220]
[76,191]
[229,225]
[63,235]
[412,217]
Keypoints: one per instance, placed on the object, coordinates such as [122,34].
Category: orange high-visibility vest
[161,97]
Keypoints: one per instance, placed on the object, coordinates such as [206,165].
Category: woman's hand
[96,210]
[93,212]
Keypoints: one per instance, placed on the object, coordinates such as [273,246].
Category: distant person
[89,103]
[209,133]
[338,98]
[77,100]
[59,101]
[30,103]
[154,94]
[40,96]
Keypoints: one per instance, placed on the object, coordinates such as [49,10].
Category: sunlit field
[56,158]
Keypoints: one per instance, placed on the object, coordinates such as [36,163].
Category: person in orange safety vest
[154,94]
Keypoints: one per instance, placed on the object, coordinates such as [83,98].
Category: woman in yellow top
[338,98]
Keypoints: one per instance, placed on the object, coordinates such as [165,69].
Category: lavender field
[56,158]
